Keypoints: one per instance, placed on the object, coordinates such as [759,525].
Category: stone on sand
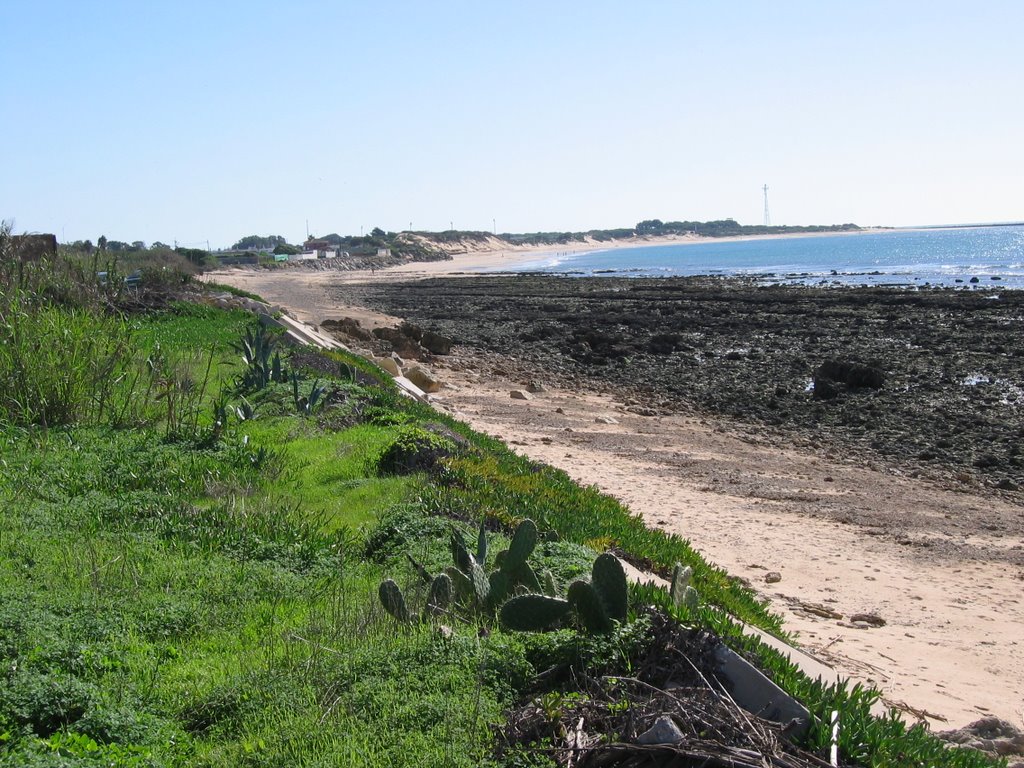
[423,378]
[389,365]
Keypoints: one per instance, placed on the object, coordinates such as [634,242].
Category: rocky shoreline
[925,382]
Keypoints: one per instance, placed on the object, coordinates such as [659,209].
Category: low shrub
[413,449]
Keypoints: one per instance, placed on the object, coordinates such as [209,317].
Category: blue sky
[207,121]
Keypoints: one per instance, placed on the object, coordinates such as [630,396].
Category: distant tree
[195,255]
[378,232]
[138,245]
[102,242]
[258,242]
[283,249]
[158,246]
[118,246]
[650,227]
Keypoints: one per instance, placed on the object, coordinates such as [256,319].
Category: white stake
[835,737]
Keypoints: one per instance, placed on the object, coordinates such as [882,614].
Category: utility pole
[767,217]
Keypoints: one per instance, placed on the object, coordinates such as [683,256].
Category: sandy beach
[497,255]
[941,636]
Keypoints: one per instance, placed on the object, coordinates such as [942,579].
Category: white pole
[835,737]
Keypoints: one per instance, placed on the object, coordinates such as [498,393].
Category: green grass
[207,594]
[191,327]
[329,473]
[229,635]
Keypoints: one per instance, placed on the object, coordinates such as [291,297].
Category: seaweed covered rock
[852,374]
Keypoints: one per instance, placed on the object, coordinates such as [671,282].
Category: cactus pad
[393,601]
[588,607]
[481,584]
[547,582]
[481,543]
[501,587]
[609,579]
[680,581]
[460,553]
[523,542]
[440,595]
[462,586]
[533,613]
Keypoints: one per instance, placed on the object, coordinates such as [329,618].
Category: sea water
[992,256]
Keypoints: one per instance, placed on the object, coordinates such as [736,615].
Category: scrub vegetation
[197,524]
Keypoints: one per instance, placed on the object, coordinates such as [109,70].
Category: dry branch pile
[674,697]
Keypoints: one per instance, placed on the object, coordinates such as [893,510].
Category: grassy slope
[210,599]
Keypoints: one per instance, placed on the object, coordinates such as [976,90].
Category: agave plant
[262,362]
[245,411]
[310,403]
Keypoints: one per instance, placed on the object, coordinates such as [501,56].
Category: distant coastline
[962,226]
[966,257]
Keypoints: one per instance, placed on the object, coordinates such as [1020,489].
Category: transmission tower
[767,216]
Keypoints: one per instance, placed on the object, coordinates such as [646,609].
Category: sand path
[952,645]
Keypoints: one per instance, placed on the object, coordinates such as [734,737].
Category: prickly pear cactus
[533,613]
[460,553]
[690,599]
[589,609]
[521,574]
[523,542]
[547,582]
[609,579]
[481,544]
[481,584]
[680,581]
[393,600]
[440,595]
[501,588]
[462,585]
